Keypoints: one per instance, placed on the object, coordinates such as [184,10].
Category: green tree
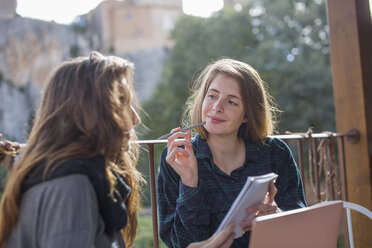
[286,41]
[197,42]
[293,57]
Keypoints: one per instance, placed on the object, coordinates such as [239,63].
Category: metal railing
[324,176]
[321,170]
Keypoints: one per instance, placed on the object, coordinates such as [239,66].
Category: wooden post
[154,206]
[350,31]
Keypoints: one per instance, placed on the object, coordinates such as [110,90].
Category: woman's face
[133,113]
[222,107]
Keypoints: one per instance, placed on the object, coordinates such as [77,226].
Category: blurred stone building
[30,49]
[134,25]
[138,30]
[8,9]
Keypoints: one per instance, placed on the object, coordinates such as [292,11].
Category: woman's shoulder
[93,168]
[276,145]
[59,212]
[57,197]
[67,187]
[53,205]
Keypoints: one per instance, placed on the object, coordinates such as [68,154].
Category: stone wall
[16,110]
[148,68]
[8,9]
[29,51]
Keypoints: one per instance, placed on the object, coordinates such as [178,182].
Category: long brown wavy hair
[84,112]
[260,108]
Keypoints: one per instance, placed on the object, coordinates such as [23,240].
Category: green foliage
[286,41]
[144,238]
[79,25]
[111,49]
[74,51]
[293,57]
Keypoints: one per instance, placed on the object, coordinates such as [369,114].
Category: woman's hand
[183,160]
[268,206]
[223,239]
[8,152]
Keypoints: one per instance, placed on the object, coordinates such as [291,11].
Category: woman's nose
[218,106]
[135,117]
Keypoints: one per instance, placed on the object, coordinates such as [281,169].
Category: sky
[64,11]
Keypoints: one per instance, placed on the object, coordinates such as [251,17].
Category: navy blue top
[193,214]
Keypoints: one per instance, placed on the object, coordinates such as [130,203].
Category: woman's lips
[215,120]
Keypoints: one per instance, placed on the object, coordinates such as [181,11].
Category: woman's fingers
[181,157]
[175,151]
[174,145]
[263,209]
[174,136]
[224,235]
[272,191]
[223,239]
[177,143]
[246,224]
[174,141]
[188,141]
[268,206]
[267,209]
[175,154]
[228,242]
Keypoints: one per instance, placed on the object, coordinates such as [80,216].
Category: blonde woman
[200,178]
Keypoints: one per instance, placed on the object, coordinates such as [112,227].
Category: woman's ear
[245,119]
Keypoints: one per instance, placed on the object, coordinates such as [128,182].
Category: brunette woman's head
[259,106]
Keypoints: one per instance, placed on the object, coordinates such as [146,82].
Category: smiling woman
[200,177]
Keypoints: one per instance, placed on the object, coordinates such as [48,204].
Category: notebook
[315,226]
[252,193]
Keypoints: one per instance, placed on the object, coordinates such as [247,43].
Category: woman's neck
[228,152]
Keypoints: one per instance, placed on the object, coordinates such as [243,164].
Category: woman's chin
[212,130]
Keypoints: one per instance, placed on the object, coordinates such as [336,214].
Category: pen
[165,136]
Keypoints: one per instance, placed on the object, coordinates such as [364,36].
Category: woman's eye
[232,103]
[123,101]
[212,96]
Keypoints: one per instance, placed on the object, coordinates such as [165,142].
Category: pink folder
[316,226]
